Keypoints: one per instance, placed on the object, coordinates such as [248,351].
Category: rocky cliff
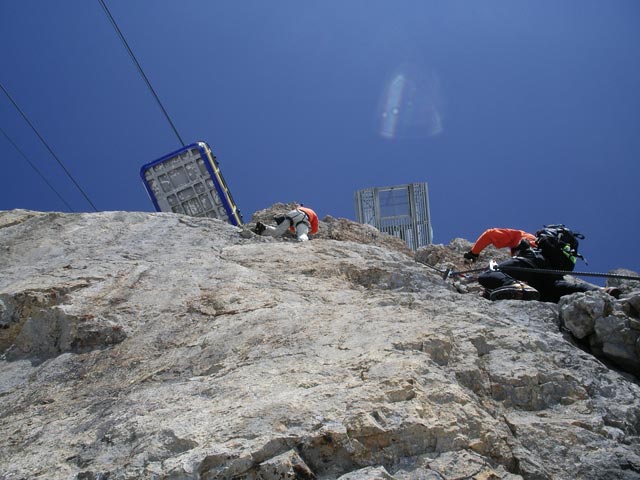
[158,346]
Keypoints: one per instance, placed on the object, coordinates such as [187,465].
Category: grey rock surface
[159,346]
[609,328]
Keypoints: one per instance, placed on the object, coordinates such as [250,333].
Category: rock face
[609,328]
[159,346]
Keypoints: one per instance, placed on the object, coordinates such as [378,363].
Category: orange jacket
[502,238]
[313,219]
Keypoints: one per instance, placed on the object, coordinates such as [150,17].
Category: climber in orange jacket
[516,240]
[522,284]
[302,221]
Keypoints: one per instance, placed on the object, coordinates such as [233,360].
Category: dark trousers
[551,287]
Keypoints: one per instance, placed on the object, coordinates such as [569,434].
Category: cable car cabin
[188,181]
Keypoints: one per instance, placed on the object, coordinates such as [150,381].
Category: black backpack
[559,246]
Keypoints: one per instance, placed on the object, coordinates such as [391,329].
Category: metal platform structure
[400,210]
[189,181]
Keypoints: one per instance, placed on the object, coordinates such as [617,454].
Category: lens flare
[391,112]
[411,105]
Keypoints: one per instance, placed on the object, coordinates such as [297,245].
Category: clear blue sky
[516,113]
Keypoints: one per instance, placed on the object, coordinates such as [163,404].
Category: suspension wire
[135,61]
[26,119]
[37,170]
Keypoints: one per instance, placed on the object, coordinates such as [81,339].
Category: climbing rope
[452,273]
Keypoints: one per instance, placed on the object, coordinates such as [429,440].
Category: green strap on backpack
[559,246]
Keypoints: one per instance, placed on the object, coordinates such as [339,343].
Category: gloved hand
[259,228]
[471,256]
[521,247]
[279,219]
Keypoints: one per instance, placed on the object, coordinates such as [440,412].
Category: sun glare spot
[411,106]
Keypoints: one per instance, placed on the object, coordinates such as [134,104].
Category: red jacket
[313,219]
[502,238]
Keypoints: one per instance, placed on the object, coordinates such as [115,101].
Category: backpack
[559,246]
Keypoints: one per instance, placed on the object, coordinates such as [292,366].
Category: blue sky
[516,113]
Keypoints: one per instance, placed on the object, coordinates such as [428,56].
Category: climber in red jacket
[516,240]
[302,221]
[502,284]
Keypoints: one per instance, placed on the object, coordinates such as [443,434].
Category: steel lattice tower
[401,210]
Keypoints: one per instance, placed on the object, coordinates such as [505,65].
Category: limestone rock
[609,328]
[445,258]
[159,346]
[627,286]
[335,229]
